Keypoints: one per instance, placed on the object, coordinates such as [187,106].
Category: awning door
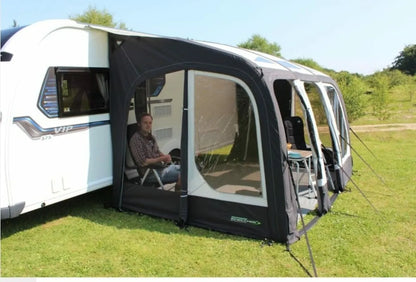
[313,131]
[338,124]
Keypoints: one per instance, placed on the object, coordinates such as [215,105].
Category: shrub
[353,90]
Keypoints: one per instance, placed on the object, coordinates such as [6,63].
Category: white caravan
[55,138]
[52,133]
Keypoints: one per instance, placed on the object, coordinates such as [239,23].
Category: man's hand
[166,158]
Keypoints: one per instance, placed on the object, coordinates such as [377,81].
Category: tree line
[363,95]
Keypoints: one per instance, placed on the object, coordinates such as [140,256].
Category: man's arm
[141,157]
[161,159]
[164,159]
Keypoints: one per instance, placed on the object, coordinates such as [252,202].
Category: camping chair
[132,170]
[294,133]
[151,169]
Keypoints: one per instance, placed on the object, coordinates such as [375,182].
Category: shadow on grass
[345,214]
[292,255]
[72,207]
[93,207]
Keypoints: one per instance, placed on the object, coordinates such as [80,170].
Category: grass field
[81,238]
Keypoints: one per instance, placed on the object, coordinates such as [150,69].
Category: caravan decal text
[36,132]
[244,220]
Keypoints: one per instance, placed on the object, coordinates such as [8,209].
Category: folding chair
[151,169]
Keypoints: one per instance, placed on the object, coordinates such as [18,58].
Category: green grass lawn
[80,238]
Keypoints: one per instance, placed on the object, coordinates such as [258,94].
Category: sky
[359,36]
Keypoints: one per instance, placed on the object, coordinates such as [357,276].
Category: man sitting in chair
[145,152]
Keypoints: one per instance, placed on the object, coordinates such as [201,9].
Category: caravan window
[145,91]
[48,99]
[82,91]
[225,137]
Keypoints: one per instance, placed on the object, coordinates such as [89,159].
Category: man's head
[145,124]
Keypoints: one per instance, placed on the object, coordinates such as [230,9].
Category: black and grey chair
[295,134]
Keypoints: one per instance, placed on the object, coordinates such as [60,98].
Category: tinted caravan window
[226,132]
[82,91]
[147,90]
[48,98]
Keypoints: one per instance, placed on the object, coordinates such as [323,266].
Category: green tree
[401,84]
[353,89]
[259,43]
[406,61]
[380,85]
[98,17]
[397,78]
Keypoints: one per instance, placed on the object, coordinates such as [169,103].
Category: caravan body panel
[46,159]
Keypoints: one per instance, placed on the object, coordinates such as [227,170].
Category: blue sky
[360,36]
